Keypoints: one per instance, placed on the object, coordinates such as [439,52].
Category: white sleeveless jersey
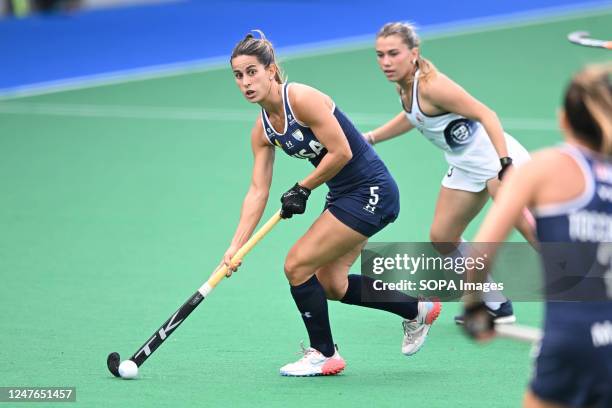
[448,131]
[464,141]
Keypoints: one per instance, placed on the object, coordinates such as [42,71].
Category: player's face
[252,78]
[394,57]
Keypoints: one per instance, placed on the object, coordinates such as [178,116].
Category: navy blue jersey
[298,140]
[573,366]
[577,265]
[362,195]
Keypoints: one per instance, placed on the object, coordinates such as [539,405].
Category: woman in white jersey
[470,134]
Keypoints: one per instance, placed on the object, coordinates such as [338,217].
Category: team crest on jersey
[298,135]
[459,132]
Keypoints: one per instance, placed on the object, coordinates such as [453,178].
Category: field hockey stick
[584,38]
[189,306]
[518,332]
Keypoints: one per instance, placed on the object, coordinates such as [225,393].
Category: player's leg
[525,225]
[325,241]
[454,211]
[358,290]
[334,275]
[520,156]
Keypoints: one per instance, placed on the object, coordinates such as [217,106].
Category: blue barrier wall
[55,47]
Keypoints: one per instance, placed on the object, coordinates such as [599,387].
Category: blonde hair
[262,49]
[588,106]
[407,32]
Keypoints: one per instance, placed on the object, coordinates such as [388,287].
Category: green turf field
[116,202]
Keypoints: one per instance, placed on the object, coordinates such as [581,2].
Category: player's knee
[443,242]
[334,292]
[296,269]
[436,235]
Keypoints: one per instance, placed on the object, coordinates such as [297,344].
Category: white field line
[205,114]
[438,31]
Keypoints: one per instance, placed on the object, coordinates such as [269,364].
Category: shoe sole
[335,370]
[329,373]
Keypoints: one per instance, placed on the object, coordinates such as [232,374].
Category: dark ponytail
[260,48]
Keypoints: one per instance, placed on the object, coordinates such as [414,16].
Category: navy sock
[312,304]
[361,292]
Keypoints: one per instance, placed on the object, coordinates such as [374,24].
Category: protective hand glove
[294,201]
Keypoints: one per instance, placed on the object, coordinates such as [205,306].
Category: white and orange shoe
[314,363]
[415,331]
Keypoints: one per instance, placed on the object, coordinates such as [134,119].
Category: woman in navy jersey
[363,198]
[568,189]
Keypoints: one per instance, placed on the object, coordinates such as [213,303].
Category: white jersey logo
[298,135]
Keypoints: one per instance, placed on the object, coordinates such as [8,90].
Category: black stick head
[112,362]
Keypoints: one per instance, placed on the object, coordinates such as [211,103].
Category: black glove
[294,201]
[478,322]
[506,163]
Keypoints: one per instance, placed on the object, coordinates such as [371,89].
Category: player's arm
[257,196]
[517,191]
[393,128]
[447,95]
[314,110]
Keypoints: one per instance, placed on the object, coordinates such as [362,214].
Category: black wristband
[505,162]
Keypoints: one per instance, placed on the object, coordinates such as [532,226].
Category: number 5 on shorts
[371,205]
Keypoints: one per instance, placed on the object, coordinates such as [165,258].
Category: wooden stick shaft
[517,332]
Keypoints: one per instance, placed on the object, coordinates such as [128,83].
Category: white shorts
[471,168]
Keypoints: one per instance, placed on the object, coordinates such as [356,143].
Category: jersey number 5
[371,205]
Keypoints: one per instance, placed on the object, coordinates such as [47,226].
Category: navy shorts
[368,207]
[571,370]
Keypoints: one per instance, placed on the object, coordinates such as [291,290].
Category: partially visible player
[568,188]
[363,198]
[475,146]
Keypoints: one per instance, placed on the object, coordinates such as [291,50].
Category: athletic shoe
[314,363]
[503,315]
[415,331]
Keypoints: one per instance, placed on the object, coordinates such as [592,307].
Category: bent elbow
[345,156]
